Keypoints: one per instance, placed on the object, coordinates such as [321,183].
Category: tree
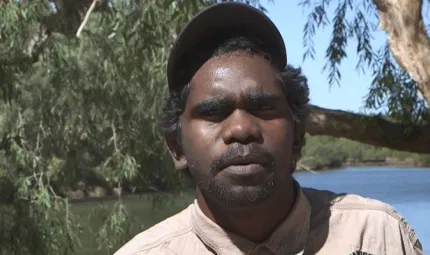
[401,77]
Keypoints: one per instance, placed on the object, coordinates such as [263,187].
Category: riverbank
[389,162]
[320,153]
[94,193]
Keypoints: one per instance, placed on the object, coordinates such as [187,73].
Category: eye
[210,112]
[266,107]
[215,115]
[258,107]
[265,111]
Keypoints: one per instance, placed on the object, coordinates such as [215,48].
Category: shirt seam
[163,239]
[196,228]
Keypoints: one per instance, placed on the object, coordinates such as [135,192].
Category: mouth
[246,165]
[247,160]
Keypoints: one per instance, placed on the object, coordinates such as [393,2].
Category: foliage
[392,91]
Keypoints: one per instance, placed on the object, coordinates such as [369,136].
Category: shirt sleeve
[411,243]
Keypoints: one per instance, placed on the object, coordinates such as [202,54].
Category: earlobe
[176,152]
[179,162]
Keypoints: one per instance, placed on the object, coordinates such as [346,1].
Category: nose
[241,127]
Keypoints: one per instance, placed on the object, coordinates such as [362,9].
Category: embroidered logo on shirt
[360,253]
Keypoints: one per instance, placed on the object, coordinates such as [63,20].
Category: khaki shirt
[321,222]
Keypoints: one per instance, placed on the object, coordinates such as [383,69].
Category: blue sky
[290,20]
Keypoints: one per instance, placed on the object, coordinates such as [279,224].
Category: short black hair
[293,81]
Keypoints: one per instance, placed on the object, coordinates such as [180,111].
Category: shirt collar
[288,238]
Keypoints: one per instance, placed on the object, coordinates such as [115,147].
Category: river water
[406,189]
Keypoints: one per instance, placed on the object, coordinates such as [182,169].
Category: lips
[245,160]
[247,164]
[249,169]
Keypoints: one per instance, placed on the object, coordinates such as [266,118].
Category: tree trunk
[407,38]
[410,45]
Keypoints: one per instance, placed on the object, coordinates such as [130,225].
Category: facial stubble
[220,191]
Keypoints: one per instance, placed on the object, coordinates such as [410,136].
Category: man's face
[237,131]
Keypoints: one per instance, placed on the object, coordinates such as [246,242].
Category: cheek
[279,135]
[198,134]
[199,142]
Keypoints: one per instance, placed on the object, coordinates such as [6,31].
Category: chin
[240,196]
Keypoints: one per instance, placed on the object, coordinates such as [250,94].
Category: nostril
[243,134]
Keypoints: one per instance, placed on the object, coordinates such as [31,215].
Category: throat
[255,224]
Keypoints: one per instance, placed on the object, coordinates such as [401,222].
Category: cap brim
[215,21]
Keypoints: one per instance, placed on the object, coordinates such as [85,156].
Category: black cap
[218,22]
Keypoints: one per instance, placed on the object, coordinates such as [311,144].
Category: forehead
[234,75]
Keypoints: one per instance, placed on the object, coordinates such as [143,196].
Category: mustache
[246,153]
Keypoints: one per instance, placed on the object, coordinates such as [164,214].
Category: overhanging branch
[373,130]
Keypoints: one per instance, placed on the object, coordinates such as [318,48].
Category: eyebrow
[212,104]
[221,104]
[261,97]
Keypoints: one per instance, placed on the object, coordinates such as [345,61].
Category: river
[406,189]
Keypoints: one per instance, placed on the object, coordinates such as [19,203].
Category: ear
[176,151]
[297,149]
[298,143]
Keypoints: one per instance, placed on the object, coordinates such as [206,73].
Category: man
[234,122]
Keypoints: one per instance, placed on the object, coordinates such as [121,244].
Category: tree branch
[374,130]
[407,38]
[87,16]
[34,48]
[37,44]
[65,22]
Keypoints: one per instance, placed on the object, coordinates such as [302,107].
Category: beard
[223,191]
[238,196]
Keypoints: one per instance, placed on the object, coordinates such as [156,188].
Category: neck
[263,218]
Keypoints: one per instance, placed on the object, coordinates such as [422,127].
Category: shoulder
[348,202]
[150,240]
[366,215]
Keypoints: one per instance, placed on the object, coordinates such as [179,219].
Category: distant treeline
[322,152]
